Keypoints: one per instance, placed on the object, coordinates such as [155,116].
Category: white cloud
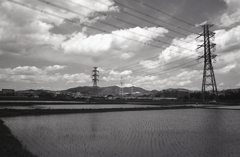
[77,78]
[21,37]
[188,75]
[227,40]
[127,55]
[237,85]
[148,64]
[116,75]
[25,70]
[221,84]
[183,48]
[231,15]
[100,5]
[30,74]
[116,42]
[142,79]
[183,79]
[123,73]
[226,69]
[23,29]
[55,67]
[184,83]
[30,78]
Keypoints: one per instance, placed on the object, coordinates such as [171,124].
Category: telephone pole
[132,90]
[95,79]
[121,89]
[208,82]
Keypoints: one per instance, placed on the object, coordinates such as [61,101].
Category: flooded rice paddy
[183,132]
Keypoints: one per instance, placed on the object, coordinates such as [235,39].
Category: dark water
[185,132]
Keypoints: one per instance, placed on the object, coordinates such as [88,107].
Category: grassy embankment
[9,145]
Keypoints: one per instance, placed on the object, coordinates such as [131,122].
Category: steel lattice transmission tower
[95,79]
[208,82]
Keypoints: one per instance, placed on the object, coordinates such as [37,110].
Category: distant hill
[84,90]
[106,90]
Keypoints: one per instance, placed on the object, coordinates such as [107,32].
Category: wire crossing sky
[149,43]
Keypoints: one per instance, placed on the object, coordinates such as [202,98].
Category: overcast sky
[149,43]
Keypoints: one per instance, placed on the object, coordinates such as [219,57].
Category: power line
[75,22]
[186,9]
[114,26]
[72,21]
[158,10]
[137,63]
[168,70]
[147,15]
[140,70]
[140,19]
[52,4]
[116,18]
[54,15]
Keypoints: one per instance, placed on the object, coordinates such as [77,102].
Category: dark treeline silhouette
[228,94]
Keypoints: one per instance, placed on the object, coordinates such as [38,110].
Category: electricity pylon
[208,82]
[95,79]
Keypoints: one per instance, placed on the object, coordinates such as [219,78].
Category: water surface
[183,132]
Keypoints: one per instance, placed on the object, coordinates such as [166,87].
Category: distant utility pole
[121,89]
[132,90]
[95,79]
[208,81]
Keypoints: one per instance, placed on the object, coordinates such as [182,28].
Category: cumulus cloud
[231,15]
[30,78]
[22,37]
[100,6]
[24,70]
[77,78]
[238,85]
[123,73]
[148,64]
[226,69]
[181,48]
[30,74]
[126,55]
[116,42]
[23,29]
[116,75]
[179,79]
[55,67]
[221,84]
[227,40]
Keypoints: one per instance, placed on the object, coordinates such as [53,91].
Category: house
[8,91]
[178,93]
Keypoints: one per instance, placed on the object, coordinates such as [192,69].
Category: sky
[146,43]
